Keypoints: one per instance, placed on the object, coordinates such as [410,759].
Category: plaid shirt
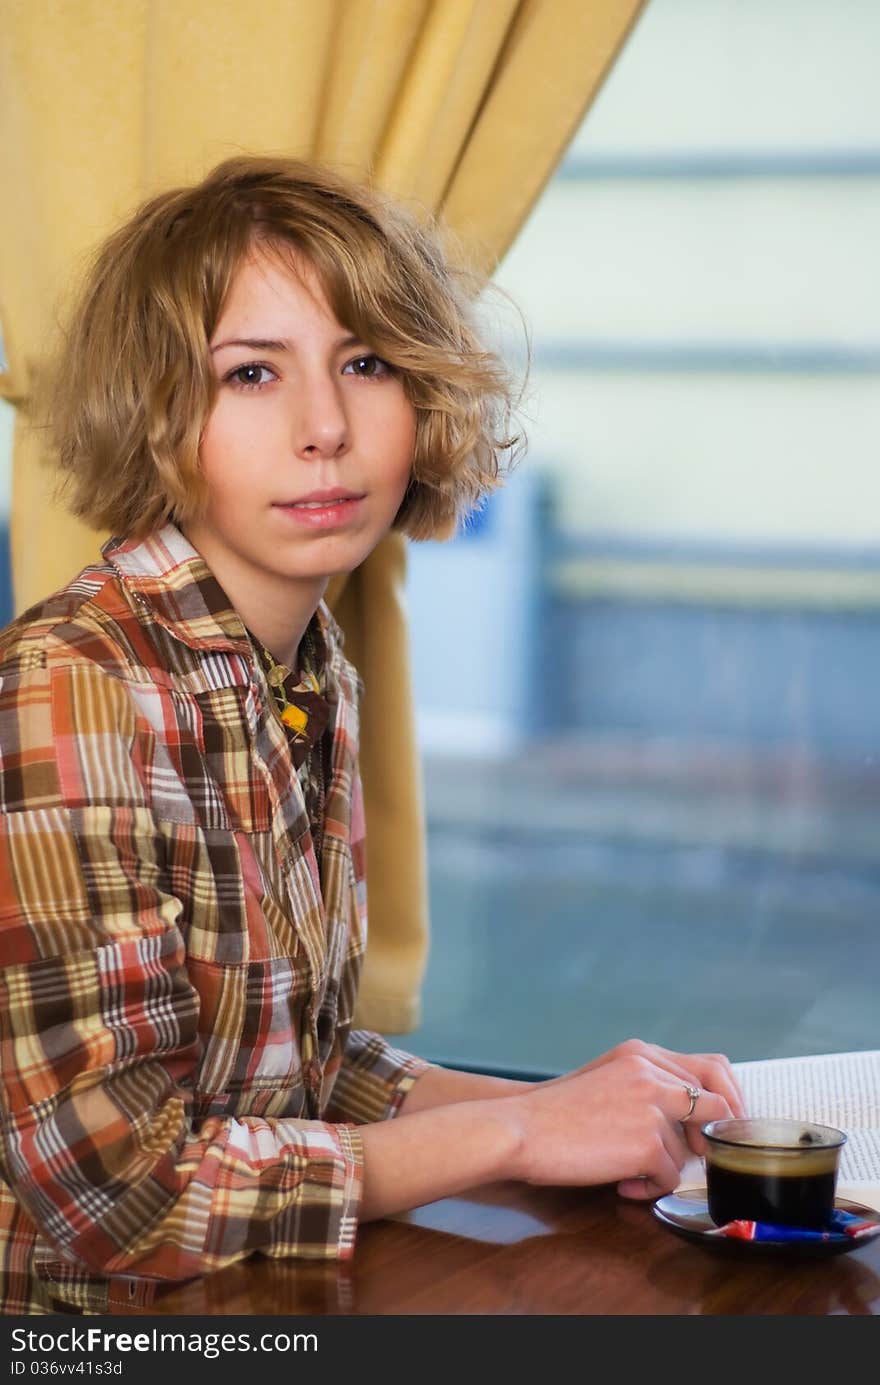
[181,1083]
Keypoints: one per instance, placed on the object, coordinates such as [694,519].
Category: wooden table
[513,1249]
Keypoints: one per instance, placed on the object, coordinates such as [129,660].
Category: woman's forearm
[443,1086]
[437,1152]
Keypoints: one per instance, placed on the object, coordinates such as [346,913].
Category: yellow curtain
[461,106]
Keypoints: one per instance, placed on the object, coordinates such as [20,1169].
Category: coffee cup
[772,1170]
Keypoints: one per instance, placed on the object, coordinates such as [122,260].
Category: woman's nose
[321,425]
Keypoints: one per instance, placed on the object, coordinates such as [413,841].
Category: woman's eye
[251,376]
[368,366]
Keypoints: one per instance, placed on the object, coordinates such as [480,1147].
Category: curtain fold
[458,106]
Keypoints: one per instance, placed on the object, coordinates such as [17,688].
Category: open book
[840,1089]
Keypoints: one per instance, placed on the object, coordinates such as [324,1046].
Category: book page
[860,1158]
[840,1089]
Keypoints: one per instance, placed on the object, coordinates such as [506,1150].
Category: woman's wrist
[440,1152]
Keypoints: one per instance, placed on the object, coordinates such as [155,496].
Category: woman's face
[308,449]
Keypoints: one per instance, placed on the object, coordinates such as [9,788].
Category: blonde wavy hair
[132,386]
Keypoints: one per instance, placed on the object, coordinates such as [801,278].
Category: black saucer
[687,1214]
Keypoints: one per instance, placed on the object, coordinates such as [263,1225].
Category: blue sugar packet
[843,1226]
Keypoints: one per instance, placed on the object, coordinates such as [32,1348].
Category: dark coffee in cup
[778,1171]
[781,1196]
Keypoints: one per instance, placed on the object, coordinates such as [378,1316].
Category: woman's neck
[274,608]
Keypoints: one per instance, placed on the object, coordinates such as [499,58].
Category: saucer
[687,1214]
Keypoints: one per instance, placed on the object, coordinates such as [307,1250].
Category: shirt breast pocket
[250,1020]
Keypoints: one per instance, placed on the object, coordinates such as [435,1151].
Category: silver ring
[693,1095]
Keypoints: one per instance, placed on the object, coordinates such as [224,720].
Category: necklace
[305,729]
[295,718]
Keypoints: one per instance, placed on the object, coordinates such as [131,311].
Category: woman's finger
[709,1106]
[716,1073]
[710,1071]
[661,1178]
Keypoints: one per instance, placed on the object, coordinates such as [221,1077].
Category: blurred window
[647,679]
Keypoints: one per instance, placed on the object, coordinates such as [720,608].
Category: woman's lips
[322,514]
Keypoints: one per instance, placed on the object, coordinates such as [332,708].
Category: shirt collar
[171,580]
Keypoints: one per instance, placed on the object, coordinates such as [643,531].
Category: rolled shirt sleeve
[373,1079]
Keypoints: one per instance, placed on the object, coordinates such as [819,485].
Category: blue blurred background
[648,685]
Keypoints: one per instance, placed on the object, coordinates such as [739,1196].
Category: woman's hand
[619,1119]
[711,1072]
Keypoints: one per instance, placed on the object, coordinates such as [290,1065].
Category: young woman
[265,374]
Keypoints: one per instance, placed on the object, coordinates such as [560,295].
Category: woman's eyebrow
[271,344]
